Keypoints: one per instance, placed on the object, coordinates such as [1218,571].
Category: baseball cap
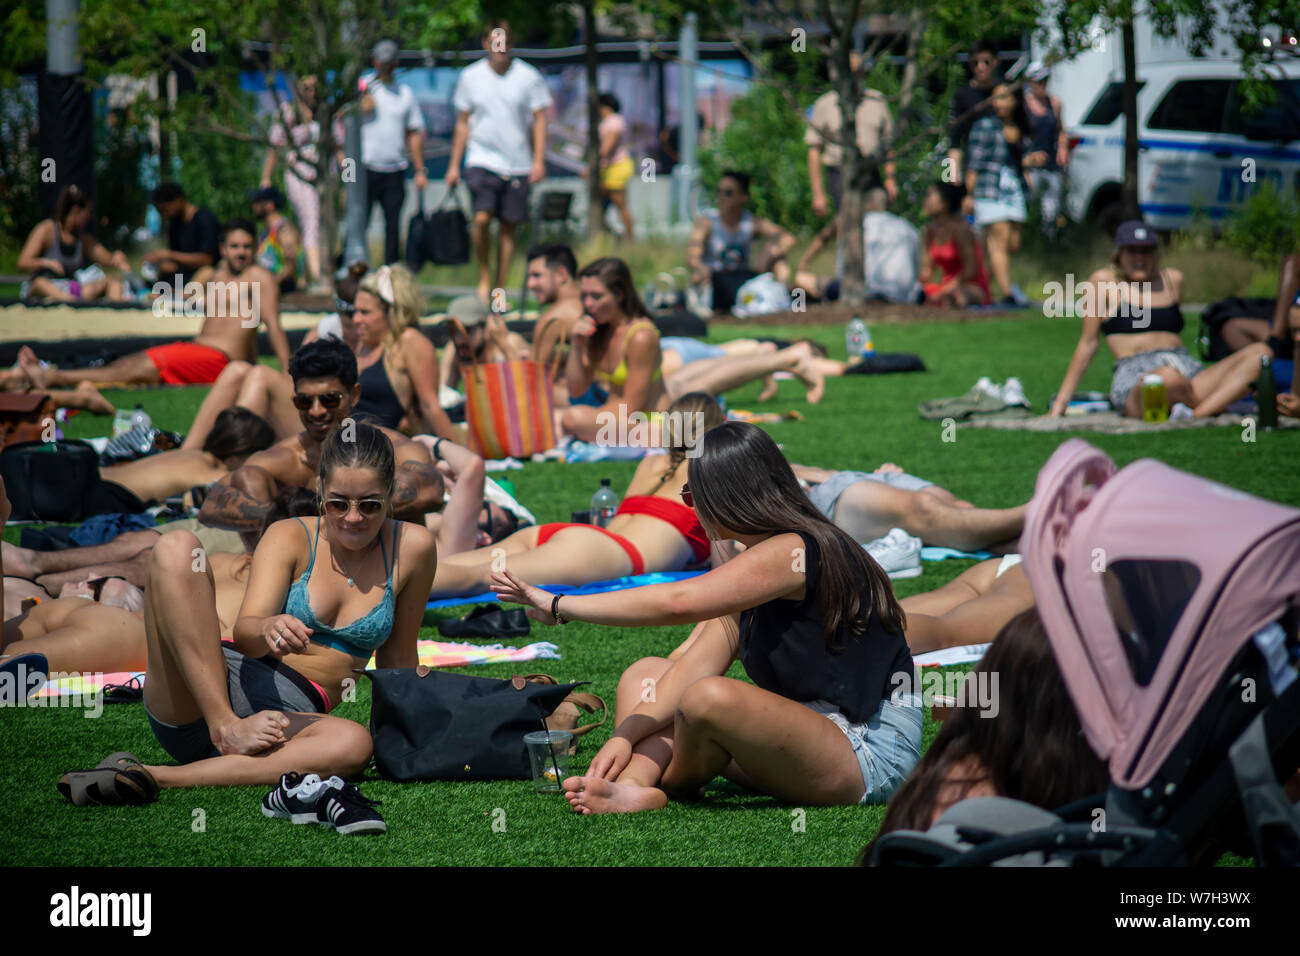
[1135,232]
[468,310]
[1037,72]
[269,194]
[385,51]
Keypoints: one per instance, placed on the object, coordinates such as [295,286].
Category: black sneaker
[297,796]
[488,620]
[348,810]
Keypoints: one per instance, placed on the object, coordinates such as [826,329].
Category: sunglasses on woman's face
[343,307]
[329,400]
[686,496]
[369,507]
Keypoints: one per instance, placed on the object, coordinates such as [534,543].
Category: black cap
[269,194]
[1135,232]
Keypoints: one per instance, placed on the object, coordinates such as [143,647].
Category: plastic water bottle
[1266,393]
[868,346]
[855,334]
[122,422]
[140,417]
[1155,403]
[603,504]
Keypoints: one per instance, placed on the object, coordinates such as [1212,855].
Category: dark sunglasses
[369,507]
[330,400]
[686,496]
[344,308]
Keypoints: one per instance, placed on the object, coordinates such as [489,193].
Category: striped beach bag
[509,411]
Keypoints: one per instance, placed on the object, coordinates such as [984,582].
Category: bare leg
[1240,332]
[269,393]
[505,251]
[222,395]
[719,375]
[94,638]
[482,252]
[85,397]
[135,367]
[30,564]
[967,586]
[135,571]
[976,621]
[573,556]
[619,198]
[999,238]
[868,509]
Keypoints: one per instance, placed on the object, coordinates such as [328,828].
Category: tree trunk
[907,89]
[1130,195]
[848,88]
[595,212]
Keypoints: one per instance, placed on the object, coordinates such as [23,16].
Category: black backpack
[49,481]
[447,235]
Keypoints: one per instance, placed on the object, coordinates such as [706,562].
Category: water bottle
[855,334]
[1266,393]
[868,347]
[140,417]
[122,422]
[603,504]
[1155,404]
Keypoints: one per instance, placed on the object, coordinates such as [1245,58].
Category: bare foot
[768,391]
[590,795]
[808,373]
[92,400]
[32,366]
[27,354]
[18,561]
[251,735]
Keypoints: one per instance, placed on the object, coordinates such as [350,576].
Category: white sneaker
[1013,393]
[1180,412]
[897,553]
[986,385]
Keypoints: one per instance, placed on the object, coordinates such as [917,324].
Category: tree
[212,42]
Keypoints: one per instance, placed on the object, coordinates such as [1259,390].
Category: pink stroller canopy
[1149,581]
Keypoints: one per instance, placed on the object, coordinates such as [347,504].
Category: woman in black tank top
[828,719]
[54,261]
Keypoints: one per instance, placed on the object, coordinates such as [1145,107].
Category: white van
[1199,152]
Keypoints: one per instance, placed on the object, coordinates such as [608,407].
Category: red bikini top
[682,518]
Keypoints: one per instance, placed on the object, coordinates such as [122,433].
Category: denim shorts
[690,350]
[826,495]
[887,746]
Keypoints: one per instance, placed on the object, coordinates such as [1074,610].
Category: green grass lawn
[863,421]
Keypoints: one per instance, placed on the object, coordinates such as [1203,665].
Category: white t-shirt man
[501,109]
[383,131]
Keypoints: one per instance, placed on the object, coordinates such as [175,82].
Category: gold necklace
[334,554]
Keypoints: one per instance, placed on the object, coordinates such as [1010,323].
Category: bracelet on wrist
[436,454]
[555,609]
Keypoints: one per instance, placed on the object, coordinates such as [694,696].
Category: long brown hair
[615,276]
[679,442]
[742,482]
[1032,750]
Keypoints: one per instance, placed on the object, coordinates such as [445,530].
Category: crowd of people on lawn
[338,493]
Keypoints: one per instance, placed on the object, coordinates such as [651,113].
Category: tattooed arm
[417,485]
[241,500]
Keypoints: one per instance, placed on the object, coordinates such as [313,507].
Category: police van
[1199,152]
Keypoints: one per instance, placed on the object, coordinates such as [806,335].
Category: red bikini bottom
[544,533]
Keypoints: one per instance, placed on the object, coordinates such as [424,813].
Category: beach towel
[946,657]
[432,654]
[1113,423]
[599,587]
[943,554]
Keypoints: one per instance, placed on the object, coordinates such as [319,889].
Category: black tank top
[378,404]
[783,651]
[1045,130]
[1159,318]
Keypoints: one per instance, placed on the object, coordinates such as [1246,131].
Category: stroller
[1172,605]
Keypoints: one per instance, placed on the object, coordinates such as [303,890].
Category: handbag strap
[581,699]
[451,197]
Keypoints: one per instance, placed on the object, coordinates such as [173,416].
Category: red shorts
[185,363]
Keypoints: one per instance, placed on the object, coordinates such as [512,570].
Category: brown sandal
[119,780]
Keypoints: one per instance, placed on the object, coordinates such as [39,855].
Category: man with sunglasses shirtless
[324,376]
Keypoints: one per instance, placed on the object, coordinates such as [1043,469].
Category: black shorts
[255,684]
[506,198]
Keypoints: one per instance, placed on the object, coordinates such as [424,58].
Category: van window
[1192,105]
[1287,95]
[1109,105]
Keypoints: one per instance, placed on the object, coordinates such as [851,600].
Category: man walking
[501,105]
[875,130]
[390,118]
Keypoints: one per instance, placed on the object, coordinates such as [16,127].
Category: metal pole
[687,128]
[61,37]
[356,202]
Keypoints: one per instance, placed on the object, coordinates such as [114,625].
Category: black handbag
[49,481]
[447,235]
[884,364]
[435,725]
[417,236]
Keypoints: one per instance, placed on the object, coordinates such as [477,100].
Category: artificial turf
[863,421]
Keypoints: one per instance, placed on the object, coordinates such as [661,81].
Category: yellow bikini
[618,377]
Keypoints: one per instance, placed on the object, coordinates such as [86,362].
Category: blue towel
[100,529]
[615,584]
[942,554]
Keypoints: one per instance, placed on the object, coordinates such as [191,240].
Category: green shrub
[1266,226]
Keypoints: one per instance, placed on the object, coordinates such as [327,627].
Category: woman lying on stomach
[810,616]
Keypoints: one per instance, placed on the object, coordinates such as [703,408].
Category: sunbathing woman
[247,712]
[1033,749]
[652,530]
[1143,331]
[808,613]
[616,349]
[237,434]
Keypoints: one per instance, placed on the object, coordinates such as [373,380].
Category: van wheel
[1107,217]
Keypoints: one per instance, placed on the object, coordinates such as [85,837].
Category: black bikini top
[1157,318]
